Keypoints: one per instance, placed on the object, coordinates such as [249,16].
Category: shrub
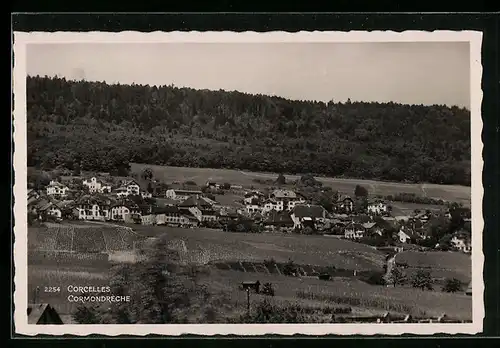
[290,269]
[422,280]
[373,278]
[452,285]
[267,289]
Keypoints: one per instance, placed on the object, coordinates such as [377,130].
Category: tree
[281,180]
[360,191]
[397,276]
[87,315]
[452,285]
[105,127]
[422,280]
[147,173]
[445,242]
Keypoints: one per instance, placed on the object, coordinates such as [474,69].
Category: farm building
[43,314]
[182,192]
[309,213]
[279,220]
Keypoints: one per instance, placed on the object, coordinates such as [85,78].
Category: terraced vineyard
[81,238]
[205,245]
[279,268]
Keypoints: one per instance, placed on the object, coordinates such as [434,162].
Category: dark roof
[165,210]
[195,202]
[43,313]
[312,211]
[355,226]
[207,212]
[281,217]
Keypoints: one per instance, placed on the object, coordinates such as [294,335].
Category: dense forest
[97,126]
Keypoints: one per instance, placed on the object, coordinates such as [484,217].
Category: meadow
[442,264]
[364,299]
[169,174]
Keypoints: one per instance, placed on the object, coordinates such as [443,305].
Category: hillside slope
[98,126]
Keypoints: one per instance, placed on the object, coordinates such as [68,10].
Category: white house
[128,188]
[253,208]
[181,195]
[97,186]
[286,199]
[57,189]
[404,237]
[121,211]
[377,207]
[461,243]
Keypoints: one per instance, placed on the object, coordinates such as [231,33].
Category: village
[274,208]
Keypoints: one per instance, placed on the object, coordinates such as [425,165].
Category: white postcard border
[21,39]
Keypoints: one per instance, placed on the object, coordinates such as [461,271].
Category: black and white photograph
[165,181]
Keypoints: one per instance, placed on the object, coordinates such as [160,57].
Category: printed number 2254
[52,289]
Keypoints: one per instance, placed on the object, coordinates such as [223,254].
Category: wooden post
[248,301]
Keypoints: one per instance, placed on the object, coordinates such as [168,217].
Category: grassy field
[441,264]
[205,245]
[403,208]
[345,186]
[363,298]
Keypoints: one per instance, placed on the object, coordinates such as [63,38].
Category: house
[461,242]
[373,228]
[168,215]
[271,204]
[148,219]
[182,193]
[195,206]
[280,220]
[253,208]
[146,194]
[97,186]
[212,185]
[354,231]
[208,215]
[94,208]
[43,314]
[286,199]
[377,207]
[120,210]
[308,215]
[32,194]
[405,235]
[133,188]
[344,204]
[252,198]
[57,189]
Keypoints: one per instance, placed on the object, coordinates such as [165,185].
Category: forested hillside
[96,126]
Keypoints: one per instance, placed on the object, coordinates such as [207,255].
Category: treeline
[96,126]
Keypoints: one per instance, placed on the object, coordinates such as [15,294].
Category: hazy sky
[412,73]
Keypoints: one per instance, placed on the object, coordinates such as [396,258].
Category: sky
[410,73]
